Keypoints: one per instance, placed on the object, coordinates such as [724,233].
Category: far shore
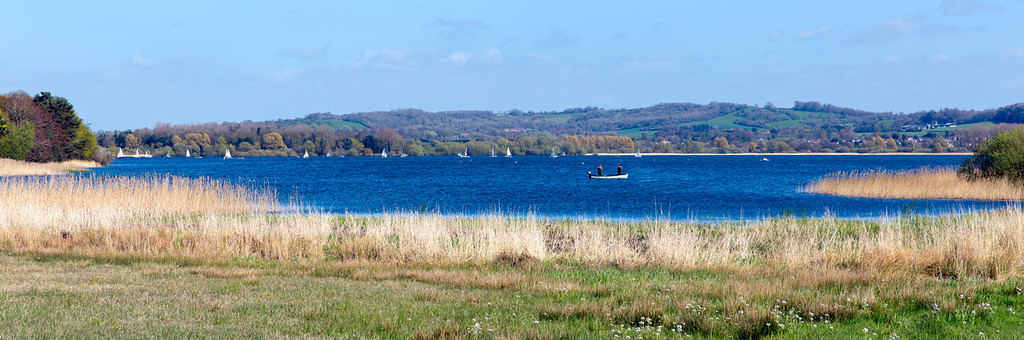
[788,154]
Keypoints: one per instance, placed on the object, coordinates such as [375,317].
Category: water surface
[661,187]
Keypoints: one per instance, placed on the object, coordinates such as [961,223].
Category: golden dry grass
[917,184]
[169,217]
[10,167]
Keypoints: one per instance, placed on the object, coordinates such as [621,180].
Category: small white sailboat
[168,154]
[328,153]
[384,153]
[508,152]
[492,153]
[120,154]
[637,155]
[227,154]
[764,159]
[553,155]
[305,154]
[188,154]
[464,153]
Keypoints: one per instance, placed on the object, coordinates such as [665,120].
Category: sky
[132,64]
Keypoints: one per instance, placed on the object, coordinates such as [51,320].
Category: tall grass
[987,245]
[157,216]
[164,217]
[916,184]
[10,167]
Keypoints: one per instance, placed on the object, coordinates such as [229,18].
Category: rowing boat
[617,176]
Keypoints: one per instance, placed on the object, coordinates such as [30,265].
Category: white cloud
[778,35]
[141,61]
[898,27]
[463,57]
[942,57]
[492,55]
[892,59]
[811,33]
[380,58]
[458,57]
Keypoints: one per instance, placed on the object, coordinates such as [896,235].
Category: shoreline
[12,168]
[791,154]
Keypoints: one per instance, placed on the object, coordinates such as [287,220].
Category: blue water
[659,187]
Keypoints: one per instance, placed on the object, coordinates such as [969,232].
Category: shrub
[1000,156]
[18,140]
[103,155]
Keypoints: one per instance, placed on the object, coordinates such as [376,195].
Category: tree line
[43,128]
[268,139]
[676,127]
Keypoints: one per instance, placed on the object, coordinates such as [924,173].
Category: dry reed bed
[10,167]
[164,217]
[916,184]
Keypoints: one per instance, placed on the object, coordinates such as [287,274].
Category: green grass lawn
[636,133]
[942,130]
[55,296]
[726,121]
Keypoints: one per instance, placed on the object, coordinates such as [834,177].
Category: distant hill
[669,127]
[660,118]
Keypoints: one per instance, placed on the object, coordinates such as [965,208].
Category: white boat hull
[617,176]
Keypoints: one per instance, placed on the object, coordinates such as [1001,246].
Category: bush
[999,157]
[20,138]
[103,156]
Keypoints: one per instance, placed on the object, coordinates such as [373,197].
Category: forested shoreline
[663,128]
[44,128]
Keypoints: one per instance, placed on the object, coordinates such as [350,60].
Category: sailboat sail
[492,153]
[227,154]
[553,155]
[384,153]
[508,152]
[637,153]
[305,154]
[188,153]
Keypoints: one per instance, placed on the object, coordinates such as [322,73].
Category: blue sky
[131,64]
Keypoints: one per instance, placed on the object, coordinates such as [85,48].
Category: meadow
[164,256]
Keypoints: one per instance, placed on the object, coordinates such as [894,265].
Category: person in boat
[600,170]
[620,169]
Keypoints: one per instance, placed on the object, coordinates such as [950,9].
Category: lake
[702,188]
